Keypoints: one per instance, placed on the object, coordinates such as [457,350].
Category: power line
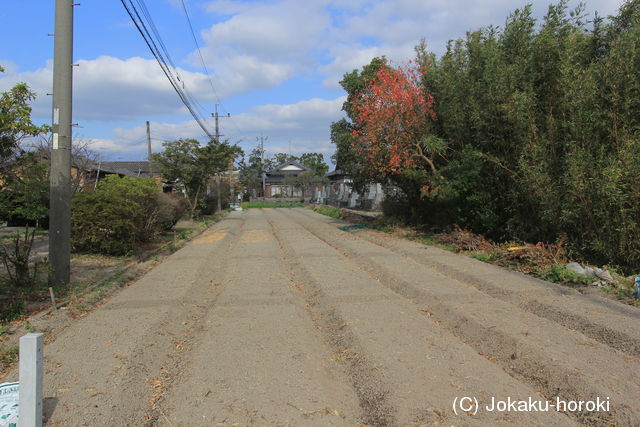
[195,40]
[175,81]
[204,66]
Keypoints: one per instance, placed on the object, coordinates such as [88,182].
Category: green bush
[115,216]
[11,309]
[558,273]
[330,211]
[482,256]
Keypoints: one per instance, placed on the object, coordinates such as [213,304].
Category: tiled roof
[278,169]
[129,168]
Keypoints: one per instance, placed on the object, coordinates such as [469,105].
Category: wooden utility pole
[60,171]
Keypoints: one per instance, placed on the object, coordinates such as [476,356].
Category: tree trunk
[194,204]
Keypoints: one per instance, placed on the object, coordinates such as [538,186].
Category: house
[86,172]
[143,169]
[277,181]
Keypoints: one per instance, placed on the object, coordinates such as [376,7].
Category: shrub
[482,256]
[171,207]
[115,216]
[330,211]
[16,259]
[11,309]
[558,273]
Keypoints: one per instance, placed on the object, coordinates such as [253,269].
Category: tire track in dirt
[369,386]
[613,338]
[513,354]
[261,359]
[160,357]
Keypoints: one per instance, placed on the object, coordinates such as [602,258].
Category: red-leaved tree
[392,117]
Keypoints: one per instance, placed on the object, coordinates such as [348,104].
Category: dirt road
[278,317]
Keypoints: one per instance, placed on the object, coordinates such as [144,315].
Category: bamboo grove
[528,131]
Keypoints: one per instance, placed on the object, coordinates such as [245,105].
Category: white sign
[9,404]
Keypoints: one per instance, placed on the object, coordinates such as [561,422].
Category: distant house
[276,182]
[142,169]
[136,169]
[86,171]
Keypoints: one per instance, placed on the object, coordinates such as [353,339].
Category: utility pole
[217,126]
[218,179]
[148,141]
[149,146]
[262,139]
[60,171]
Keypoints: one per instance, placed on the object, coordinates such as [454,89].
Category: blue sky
[275,65]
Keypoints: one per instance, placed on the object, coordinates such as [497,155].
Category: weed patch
[546,261]
[259,205]
[482,256]
[558,273]
[330,211]
[9,355]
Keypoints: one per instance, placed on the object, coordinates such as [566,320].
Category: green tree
[305,181]
[24,191]
[24,184]
[252,168]
[282,158]
[345,158]
[24,181]
[315,162]
[191,165]
[15,121]
[541,125]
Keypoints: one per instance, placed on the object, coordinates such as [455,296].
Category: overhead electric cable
[195,40]
[204,66]
[139,23]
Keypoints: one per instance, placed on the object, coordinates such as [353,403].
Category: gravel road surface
[278,317]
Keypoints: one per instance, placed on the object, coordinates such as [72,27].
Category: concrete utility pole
[217,126]
[149,146]
[218,179]
[60,172]
[262,139]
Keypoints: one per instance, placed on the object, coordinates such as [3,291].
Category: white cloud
[284,30]
[288,38]
[261,45]
[256,45]
[304,125]
[395,27]
[108,88]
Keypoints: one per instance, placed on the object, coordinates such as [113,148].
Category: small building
[277,181]
[143,169]
[137,169]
